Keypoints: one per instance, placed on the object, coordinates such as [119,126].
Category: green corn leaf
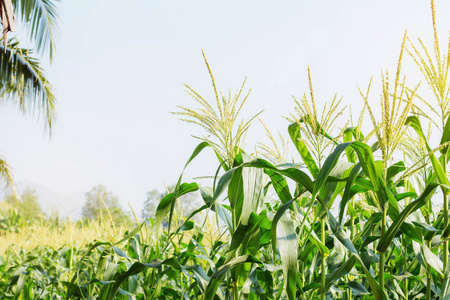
[138,267]
[236,193]
[347,196]
[245,232]
[119,252]
[295,174]
[345,240]
[316,241]
[335,182]
[280,185]
[224,215]
[287,245]
[414,122]
[328,166]
[445,291]
[165,208]
[188,225]
[195,212]
[426,226]
[252,181]
[432,260]
[395,169]
[291,172]
[236,240]
[357,288]
[131,234]
[281,210]
[384,195]
[216,278]
[349,133]
[402,196]
[294,133]
[340,272]
[400,220]
[445,138]
[299,177]
[167,203]
[369,166]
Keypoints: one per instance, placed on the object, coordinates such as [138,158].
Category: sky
[118,72]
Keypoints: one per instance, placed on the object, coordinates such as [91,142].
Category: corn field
[361,212]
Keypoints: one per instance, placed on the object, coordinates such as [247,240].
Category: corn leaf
[216,278]
[414,122]
[296,137]
[345,240]
[287,245]
[400,220]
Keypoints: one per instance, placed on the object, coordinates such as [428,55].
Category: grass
[69,234]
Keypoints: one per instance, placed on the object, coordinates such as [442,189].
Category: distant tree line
[100,205]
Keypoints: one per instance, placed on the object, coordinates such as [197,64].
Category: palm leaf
[22,80]
[6,174]
[40,17]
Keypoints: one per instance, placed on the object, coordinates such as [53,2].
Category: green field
[361,212]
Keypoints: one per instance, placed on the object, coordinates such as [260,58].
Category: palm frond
[22,80]
[7,176]
[40,17]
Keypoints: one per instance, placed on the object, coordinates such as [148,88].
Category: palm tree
[22,79]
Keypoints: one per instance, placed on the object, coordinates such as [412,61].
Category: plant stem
[382,254]
[445,258]
[406,291]
[445,254]
[352,228]
[428,295]
[323,266]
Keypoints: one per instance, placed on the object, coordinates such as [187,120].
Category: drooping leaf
[357,288]
[23,82]
[432,260]
[395,169]
[280,185]
[414,122]
[40,17]
[287,245]
[295,174]
[168,204]
[343,270]
[252,181]
[168,201]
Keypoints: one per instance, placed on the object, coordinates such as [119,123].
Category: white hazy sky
[119,68]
